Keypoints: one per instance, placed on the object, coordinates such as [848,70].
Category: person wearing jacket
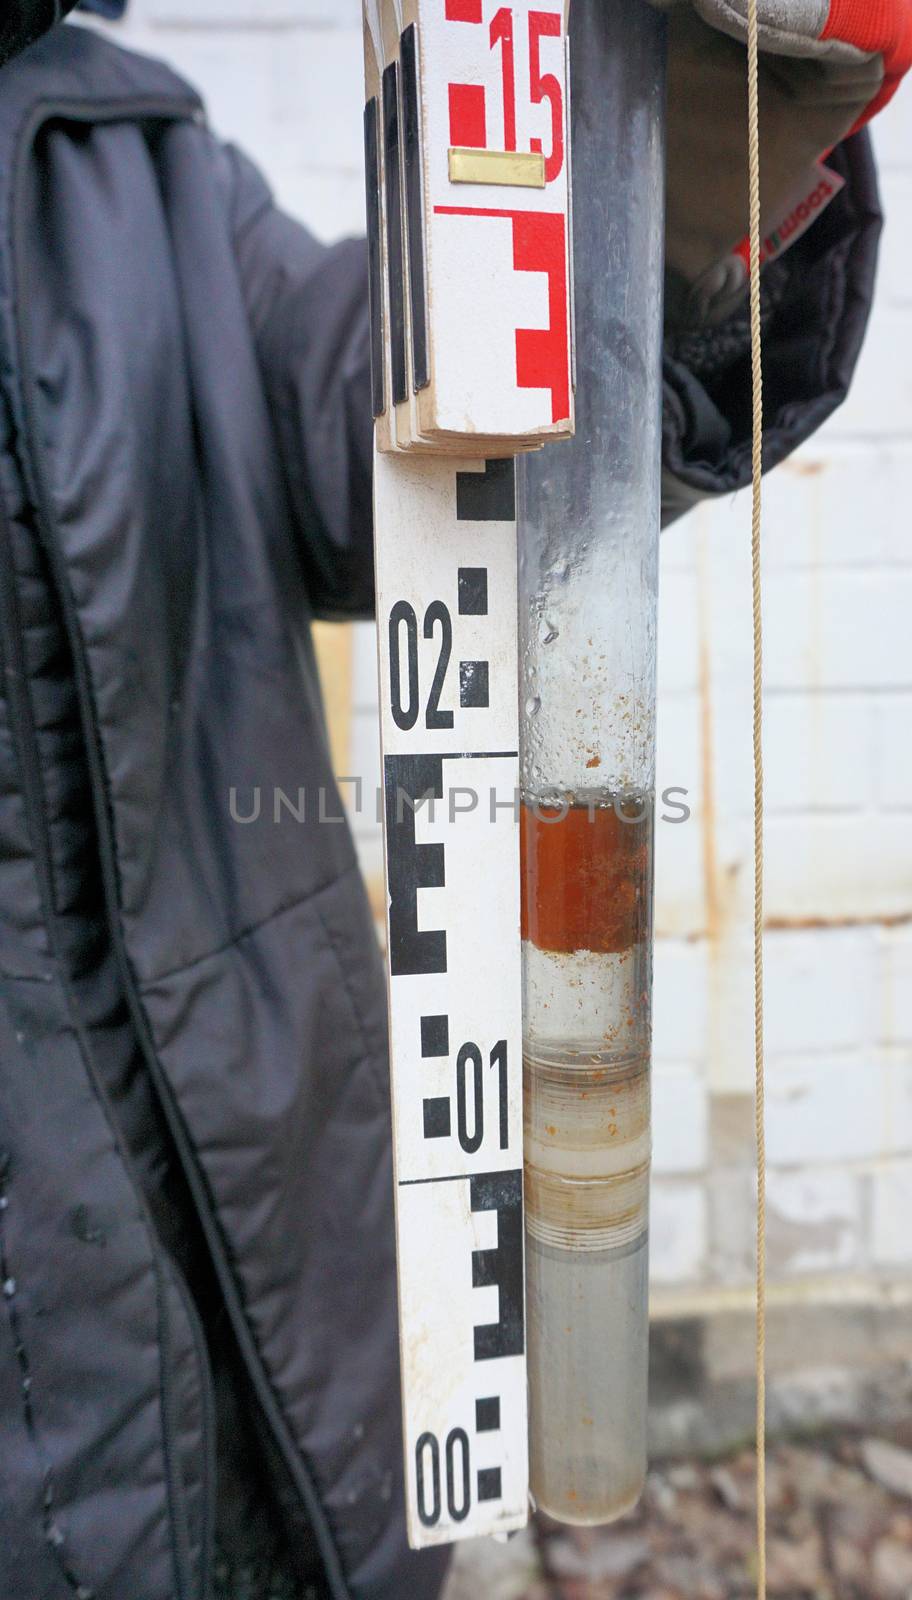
[198,1313]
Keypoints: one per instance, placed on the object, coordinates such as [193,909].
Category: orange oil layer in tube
[586,874]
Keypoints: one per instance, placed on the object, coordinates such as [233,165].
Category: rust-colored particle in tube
[585,874]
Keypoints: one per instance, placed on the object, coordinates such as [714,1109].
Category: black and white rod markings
[447,640]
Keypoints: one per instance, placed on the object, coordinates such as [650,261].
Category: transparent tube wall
[589,527]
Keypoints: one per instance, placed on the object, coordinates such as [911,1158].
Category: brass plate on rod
[516,169]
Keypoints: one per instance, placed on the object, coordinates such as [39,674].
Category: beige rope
[757,400]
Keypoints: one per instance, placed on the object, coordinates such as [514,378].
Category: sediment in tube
[586,927]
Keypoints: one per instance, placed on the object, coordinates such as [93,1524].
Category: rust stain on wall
[900,919]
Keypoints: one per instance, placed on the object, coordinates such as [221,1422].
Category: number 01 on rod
[466,146]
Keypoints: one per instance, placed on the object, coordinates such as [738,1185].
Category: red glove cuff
[881,27]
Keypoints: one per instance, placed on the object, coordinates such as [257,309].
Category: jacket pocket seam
[149,981]
[374,1057]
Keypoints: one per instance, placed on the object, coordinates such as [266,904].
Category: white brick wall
[814,1221]
[892,1210]
[678,1241]
[840,1107]
[283,78]
[895,996]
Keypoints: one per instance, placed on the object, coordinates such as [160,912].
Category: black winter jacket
[193,1081]
[196,1248]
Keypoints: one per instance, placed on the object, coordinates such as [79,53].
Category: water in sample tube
[586,930]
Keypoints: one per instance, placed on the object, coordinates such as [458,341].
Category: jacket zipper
[24,732]
[165,111]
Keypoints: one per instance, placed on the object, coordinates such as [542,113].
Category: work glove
[826,66]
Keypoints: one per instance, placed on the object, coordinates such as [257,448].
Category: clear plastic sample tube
[589,527]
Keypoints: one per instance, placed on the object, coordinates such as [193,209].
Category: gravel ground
[840,1528]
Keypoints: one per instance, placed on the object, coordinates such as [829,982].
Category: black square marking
[437,1119]
[488,496]
[435,1036]
[473,685]
[473,591]
[487,1415]
[489,1483]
